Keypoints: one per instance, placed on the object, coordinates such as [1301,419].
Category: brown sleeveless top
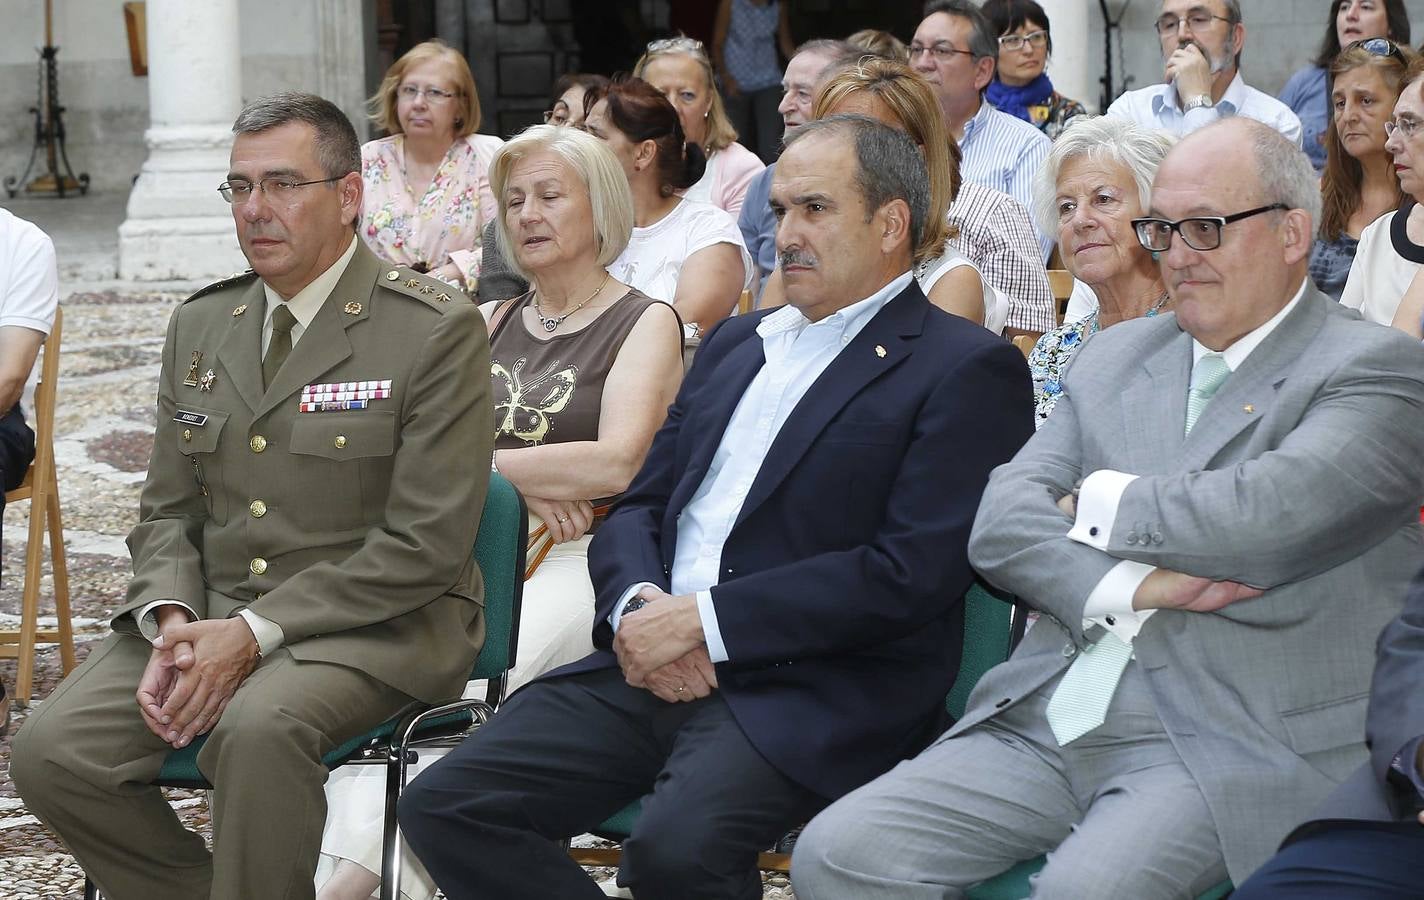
[549,390]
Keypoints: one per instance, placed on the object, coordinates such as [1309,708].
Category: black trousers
[1344,861]
[17,450]
[565,754]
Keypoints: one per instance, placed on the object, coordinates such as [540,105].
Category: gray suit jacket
[1301,477]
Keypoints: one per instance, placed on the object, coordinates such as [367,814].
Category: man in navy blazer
[779,591]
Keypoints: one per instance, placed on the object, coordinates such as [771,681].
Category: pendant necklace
[551,323]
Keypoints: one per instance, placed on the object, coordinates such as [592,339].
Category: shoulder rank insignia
[418,286]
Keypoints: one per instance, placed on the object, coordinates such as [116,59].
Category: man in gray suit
[1216,522]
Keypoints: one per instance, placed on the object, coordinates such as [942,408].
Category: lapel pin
[353,308]
[192,378]
[1248,408]
[239,310]
[206,385]
[879,351]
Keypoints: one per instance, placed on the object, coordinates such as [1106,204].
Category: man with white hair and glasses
[1201,46]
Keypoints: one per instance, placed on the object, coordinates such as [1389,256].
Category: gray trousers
[84,760]
[1116,811]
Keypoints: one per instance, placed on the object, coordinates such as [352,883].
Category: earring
[1156,256]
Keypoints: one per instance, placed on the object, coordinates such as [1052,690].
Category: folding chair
[993,623]
[41,488]
[499,551]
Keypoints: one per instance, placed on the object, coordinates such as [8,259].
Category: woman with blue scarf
[1021,86]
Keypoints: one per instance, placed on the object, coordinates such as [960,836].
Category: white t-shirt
[654,256]
[29,284]
[1081,302]
[1385,262]
[996,302]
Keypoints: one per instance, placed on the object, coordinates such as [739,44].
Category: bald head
[1235,167]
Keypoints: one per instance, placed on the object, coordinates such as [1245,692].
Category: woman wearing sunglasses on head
[1359,184]
[1307,92]
[1021,87]
[427,194]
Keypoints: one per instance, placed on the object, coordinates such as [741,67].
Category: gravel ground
[112,345]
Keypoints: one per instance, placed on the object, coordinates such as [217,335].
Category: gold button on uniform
[257,566]
[340,441]
[257,508]
[258,443]
[187,434]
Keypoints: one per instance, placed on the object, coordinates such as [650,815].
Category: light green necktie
[1081,701]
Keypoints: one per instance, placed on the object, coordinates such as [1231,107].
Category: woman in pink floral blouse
[427,185]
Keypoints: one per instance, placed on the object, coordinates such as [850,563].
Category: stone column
[178,227]
[1073,70]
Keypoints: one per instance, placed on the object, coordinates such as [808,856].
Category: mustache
[797,258]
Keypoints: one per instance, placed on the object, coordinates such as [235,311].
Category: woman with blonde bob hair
[891,92]
[584,368]
[427,193]
[680,68]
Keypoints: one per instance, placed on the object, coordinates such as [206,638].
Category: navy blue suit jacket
[841,584]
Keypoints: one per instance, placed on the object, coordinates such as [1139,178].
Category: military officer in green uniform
[302,563]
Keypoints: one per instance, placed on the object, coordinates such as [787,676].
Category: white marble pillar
[178,227]
[1073,69]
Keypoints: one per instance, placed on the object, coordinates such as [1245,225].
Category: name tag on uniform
[191,418]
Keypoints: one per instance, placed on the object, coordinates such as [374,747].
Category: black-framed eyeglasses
[1380,47]
[1197,20]
[277,189]
[1199,232]
[1035,39]
[943,51]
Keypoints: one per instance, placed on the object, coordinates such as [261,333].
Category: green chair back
[987,642]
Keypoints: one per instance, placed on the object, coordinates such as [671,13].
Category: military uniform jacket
[351,529]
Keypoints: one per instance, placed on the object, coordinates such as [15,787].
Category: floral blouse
[1050,358]
[442,226]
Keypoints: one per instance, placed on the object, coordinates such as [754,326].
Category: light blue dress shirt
[797,352]
[1157,107]
[1004,152]
[758,222]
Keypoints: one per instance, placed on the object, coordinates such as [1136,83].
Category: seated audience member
[880,43]
[575,408]
[299,577]
[1359,184]
[29,296]
[995,234]
[1021,86]
[679,67]
[1384,282]
[746,38]
[892,94]
[1096,181]
[955,49]
[1189,520]
[778,613]
[686,253]
[1307,93]
[427,192]
[805,73]
[569,92]
[1366,840]
[1201,45]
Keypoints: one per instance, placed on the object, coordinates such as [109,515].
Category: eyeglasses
[433,96]
[277,189]
[1197,20]
[942,51]
[1199,232]
[677,45]
[1405,125]
[1034,39]
[1380,47]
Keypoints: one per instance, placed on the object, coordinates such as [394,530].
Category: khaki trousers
[84,760]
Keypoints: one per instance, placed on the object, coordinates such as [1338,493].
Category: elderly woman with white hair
[1097,179]
[584,369]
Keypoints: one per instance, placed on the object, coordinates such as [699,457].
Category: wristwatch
[635,604]
[1200,101]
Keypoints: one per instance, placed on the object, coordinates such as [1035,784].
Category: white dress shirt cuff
[629,594]
[269,634]
[1098,500]
[147,617]
[711,633]
[1110,603]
